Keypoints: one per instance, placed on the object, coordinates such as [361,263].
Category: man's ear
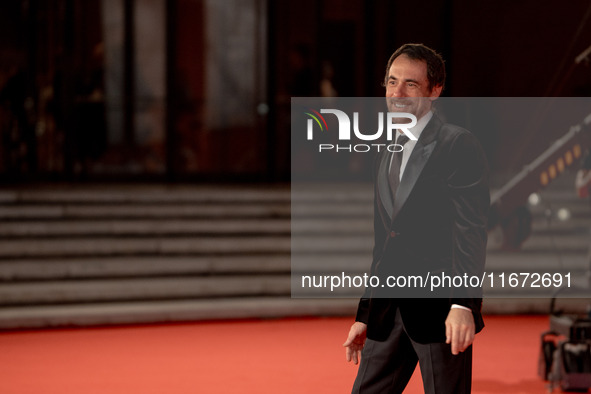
[435,92]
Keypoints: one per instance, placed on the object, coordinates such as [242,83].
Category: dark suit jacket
[438,223]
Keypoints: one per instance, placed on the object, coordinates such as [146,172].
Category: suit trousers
[387,366]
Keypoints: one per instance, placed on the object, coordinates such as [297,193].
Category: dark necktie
[394,173]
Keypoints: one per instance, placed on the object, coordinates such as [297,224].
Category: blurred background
[145,146]
[153,90]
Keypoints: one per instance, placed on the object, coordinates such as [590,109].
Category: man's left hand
[459,329]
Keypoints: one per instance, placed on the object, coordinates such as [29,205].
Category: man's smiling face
[407,87]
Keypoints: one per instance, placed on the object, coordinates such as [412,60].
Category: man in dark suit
[430,212]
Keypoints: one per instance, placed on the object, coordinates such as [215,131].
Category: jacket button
[392,234]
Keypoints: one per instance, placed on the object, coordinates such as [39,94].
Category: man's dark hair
[435,65]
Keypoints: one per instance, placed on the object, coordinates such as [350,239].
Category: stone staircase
[93,255]
[96,255]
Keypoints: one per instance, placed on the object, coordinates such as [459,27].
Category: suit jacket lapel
[416,162]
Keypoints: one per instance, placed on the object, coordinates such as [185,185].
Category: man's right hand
[355,342]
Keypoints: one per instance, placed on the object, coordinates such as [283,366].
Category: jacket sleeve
[363,311]
[468,185]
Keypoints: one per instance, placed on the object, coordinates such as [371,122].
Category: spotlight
[534,199]
[563,214]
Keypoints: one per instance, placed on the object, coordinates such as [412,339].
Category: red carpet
[272,356]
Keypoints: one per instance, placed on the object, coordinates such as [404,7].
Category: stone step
[535,261]
[18,270]
[139,266]
[116,246]
[182,210]
[214,211]
[117,194]
[573,226]
[553,244]
[108,223]
[153,227]
[165,210]
[41,316]
[129,289]
[141,227]
[232,209]
[142,266]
